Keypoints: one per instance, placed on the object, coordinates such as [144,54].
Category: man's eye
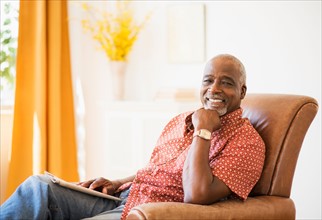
[227,83]
[207,81]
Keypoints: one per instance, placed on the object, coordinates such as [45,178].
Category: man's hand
[101,184]
[206,119]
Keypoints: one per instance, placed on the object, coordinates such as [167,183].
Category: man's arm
[120,182]
[199,184]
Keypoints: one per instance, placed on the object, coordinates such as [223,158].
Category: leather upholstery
[282,121]
[261,207]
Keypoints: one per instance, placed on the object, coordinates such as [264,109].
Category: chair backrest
[282,121]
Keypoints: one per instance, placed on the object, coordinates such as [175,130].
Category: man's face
[221,88]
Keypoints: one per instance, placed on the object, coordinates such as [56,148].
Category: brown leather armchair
[282,121]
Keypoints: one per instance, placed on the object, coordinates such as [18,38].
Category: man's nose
[216,87]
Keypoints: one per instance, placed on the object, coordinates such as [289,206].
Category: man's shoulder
[249,133]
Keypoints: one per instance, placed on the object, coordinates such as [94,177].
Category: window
[9,36]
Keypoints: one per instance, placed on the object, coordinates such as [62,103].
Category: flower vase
[118,69]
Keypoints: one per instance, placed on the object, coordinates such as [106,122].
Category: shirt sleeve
[240,163]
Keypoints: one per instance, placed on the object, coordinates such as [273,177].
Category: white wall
[279,43]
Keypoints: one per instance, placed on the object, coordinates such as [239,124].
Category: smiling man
[223,84]
[201,157]
[211,170]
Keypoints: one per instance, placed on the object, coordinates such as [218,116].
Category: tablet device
[75,187]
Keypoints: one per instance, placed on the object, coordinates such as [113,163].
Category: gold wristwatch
[203,133]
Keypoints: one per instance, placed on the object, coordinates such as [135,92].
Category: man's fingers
[86,183]
[104,190]
[97,183]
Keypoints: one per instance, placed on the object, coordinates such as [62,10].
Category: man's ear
[243,91]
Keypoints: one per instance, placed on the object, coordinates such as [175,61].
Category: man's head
[223,84]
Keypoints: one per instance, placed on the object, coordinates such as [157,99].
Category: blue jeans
[39,198]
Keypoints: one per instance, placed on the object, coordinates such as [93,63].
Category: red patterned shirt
[236,156]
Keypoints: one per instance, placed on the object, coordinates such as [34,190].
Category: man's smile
[215,102]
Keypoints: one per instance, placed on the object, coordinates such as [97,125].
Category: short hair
[239,64]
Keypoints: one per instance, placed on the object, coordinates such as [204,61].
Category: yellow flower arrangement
[115,32]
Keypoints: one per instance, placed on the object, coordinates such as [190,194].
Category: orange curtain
[43,128]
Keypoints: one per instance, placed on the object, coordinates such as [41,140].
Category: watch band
[203,133]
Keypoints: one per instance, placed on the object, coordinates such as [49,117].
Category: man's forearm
[197,175]
[120,182]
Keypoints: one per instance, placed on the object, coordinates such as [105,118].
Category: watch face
[204,133]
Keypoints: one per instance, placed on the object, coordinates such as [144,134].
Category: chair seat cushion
[259,207]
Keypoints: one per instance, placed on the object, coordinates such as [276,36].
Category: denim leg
[39,198]
[114,214]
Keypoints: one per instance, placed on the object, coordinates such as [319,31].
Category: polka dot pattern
[236,156]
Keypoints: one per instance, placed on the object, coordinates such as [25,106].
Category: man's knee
[37,179]
[35,182]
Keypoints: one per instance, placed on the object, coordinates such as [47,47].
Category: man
[201,157]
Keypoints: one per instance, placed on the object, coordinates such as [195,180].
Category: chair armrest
[259,207]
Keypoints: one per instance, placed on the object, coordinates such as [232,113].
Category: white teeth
[216,100]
